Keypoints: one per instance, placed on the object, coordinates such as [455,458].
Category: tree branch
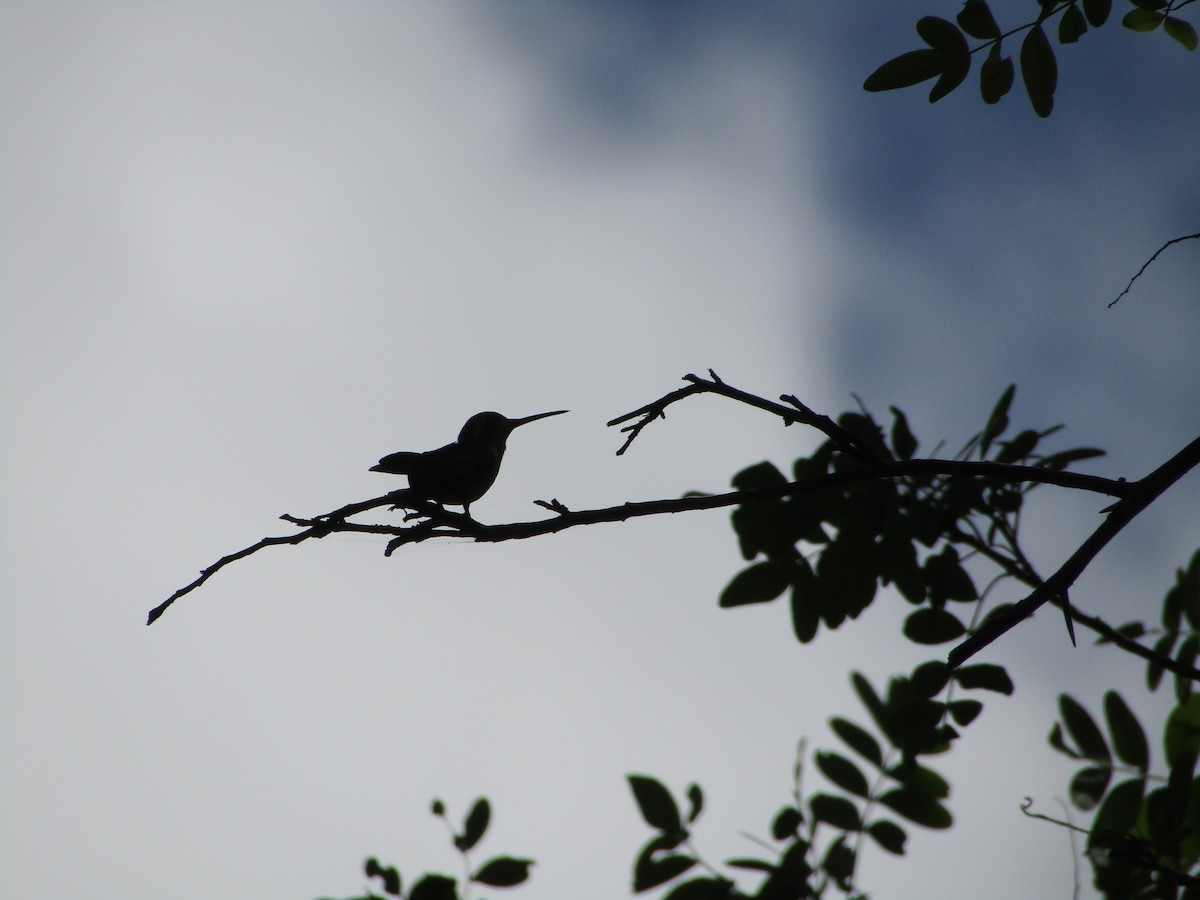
[1141,494]
[1147,263]
[1021,570]
[797,412]
[438,522]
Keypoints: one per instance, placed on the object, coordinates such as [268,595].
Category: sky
[247,249]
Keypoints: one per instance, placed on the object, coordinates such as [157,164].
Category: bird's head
[493,428]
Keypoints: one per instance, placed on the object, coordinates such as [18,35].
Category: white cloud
[249,250]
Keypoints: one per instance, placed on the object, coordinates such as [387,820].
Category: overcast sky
[247,249]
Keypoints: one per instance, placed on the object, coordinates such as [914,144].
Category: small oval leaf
[888,835]
[930,679]
[1142,20]
[858,739]
[1039,69]
[750,864]
[1182,737]
[434,887]
[837,811]
[918,807]
[1082,728]
[933,626]
[503,871]
[996,76]
[1119,811]
[1097,11]
[984,676]
[695,802]
[759,583]
[1089,785]
[941,34]
[786,823]
[655,803]
[843,773]
[1128,738]
[475,825]
[760,475]
[965,712]
[1072,25]
[976,19]
[1181,30]
[1020,446]
[905,70]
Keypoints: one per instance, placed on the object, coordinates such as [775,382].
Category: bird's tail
[397,463]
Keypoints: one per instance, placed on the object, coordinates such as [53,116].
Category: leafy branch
[499,871]
[873,461]
[854,457]
[1142,494]
[947,55]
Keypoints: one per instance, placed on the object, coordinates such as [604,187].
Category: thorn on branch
[1068,615]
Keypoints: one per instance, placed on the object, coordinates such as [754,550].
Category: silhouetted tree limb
[1147,264]
[439,522]
[797,412]
[1136,496]
[1140,495]
[1022,570]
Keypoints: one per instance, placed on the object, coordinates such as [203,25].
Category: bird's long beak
[513,423]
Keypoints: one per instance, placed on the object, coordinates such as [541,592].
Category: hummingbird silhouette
[459,473]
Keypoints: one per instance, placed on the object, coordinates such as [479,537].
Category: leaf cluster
[1145,836]
[832,550]
[497,872]
[947,54]
[876,775]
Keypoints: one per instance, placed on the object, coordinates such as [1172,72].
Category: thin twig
[1146,264]
[1028,805]
[221,563]
[796,413]
[317,527]
[1135,847]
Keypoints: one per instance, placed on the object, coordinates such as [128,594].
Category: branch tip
[1147,264]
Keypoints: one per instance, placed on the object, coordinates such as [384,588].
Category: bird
[462,472]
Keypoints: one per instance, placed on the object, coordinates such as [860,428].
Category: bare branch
[1027,806]
[221,563]
[1146,264]
[797,412]
[314,528]
[439,522]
